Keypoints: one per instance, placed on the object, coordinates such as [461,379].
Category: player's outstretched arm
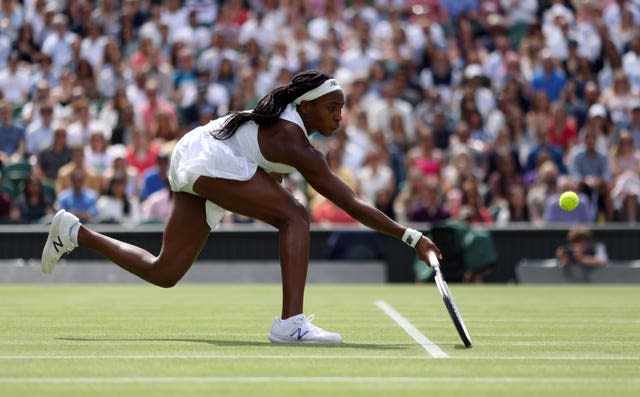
[312,165]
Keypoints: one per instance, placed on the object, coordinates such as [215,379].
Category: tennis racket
[456,317]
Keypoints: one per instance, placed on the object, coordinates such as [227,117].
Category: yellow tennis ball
[569,201]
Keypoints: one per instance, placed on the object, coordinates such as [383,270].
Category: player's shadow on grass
[222,342]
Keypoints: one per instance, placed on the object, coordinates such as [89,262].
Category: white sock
[73,233]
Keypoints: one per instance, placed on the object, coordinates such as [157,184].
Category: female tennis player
[235,163]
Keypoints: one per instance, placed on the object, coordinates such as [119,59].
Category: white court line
[316,379]
[418,336]
[98,357]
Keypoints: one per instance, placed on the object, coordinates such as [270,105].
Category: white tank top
[245,141]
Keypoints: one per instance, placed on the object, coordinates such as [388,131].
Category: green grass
[210,340]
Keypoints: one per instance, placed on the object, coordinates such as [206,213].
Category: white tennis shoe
[299,329]
[59,240]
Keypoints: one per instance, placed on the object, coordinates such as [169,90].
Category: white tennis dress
[198,153]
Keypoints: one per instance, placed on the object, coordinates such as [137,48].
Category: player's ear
[304,108]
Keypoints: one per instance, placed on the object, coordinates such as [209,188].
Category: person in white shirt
[115,206]
[39,133]
[631,62]
[57,44]
[92,46]
[380,112]
[15,82]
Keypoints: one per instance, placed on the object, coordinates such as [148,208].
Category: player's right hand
[424,246]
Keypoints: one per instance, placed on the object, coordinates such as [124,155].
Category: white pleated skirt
[197,154]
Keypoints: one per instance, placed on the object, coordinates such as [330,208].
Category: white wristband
[411,237]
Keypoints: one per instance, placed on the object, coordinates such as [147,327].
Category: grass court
[210,340]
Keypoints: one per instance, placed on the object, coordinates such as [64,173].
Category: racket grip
[433,259]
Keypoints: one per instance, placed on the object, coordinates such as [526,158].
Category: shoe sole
[274,339]
[46,267]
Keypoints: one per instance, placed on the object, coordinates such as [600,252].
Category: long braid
[271,106]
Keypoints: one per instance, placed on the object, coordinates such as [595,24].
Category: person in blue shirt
[155,178]
[79,200]
[549,78]
[11,136]
[554,153]
[590,169]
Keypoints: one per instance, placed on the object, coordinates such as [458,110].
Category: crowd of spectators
[475,110]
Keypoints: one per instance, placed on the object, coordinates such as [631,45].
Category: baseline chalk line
[418,336]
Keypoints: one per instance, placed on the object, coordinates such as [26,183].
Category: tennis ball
[569,201]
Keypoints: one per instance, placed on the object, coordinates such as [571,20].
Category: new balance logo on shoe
[57,244]
[299,332]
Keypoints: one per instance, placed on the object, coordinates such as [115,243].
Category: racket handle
[433,259]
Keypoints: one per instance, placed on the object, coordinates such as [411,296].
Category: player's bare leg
[184,236]
[262,198]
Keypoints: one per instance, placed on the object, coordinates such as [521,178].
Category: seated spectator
[15,80]
[554,152]
[581,249]
[155,178]
[472,208]
[563,131]
[323,210]
[408,194]
[91,178]
[633,127]
[96,154]
[624,161]
[79,199]
[504,178]
[590,168]
[374,176]
[82,123]
[584,213]
[157,206]
[190,114]
[384,202]
[517,209]
[544,186]
[51,159]
[155,104]
[549,77]
[12,144]
[619,98]
[32,205]
[114,206]
[141,153]
[31,111]
[119,166]
[427,204]
[424,155]
[39,133]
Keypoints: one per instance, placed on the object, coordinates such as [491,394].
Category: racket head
[457,320]
[449,302]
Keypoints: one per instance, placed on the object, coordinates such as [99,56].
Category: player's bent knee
[293,215]
[298,215]
[167,276]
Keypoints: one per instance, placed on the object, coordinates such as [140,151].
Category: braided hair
[274,103]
